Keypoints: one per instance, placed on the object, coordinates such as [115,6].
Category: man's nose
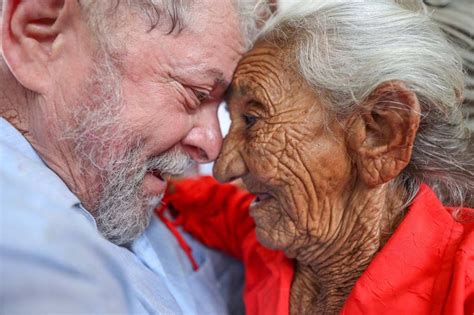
[204,141]
[230,165]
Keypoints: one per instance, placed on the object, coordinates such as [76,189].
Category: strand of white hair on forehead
[412,5]
[253,14]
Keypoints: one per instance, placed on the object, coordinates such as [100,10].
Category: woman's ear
[382,134]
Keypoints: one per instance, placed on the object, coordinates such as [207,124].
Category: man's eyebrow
[219,77]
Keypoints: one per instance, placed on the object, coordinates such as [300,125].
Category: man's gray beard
[116,158]
[123,212]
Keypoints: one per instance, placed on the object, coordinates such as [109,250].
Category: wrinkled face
[143,116]
[279,145]
[172,85]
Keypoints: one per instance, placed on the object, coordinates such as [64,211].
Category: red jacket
[426,267]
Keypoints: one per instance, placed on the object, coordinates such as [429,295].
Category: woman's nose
[204,141]
[230,165]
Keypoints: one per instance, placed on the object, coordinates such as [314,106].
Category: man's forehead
[203,58]
[202,76]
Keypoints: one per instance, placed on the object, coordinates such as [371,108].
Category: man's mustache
[171,163]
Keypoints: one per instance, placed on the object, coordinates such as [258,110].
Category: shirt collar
[410,268]
[11,137]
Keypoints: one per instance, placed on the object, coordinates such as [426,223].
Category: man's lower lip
[157,175]
[153,185]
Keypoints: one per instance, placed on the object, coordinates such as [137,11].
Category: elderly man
[101,100]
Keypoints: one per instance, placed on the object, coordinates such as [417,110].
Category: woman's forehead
[261,70]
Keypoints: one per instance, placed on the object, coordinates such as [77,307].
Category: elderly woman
[346,126]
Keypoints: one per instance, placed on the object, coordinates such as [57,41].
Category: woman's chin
[269,223]
[266,239]
[270,238]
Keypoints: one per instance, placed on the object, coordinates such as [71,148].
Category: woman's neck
[324,280]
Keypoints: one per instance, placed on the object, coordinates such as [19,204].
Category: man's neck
[324,280]
[21,109]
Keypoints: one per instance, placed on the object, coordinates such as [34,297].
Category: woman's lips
[260,198]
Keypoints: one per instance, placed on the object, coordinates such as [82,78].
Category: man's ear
[32,36]
[381,136]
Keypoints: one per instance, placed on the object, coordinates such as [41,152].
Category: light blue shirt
[54,261]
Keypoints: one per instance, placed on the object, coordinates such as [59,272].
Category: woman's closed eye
[249,120]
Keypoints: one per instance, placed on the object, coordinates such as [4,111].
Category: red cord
[181,241]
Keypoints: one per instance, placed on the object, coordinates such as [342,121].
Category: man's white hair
[345,49]
[173,15]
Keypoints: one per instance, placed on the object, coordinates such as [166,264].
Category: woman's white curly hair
[345,49]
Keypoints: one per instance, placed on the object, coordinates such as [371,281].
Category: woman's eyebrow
[236,90]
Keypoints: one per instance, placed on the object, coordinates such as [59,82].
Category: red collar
[413,273]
